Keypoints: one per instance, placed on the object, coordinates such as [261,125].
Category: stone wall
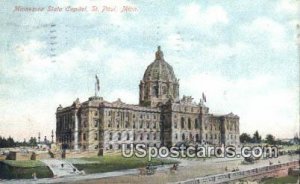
[257,173]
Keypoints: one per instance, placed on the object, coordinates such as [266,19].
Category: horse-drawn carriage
[148,170]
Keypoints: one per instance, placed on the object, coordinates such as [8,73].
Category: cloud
[287,6]
[116,18]
[176,42]
[126,96]
[206,44]
[33,116]
[266,28]
[194,14]
[223,51]
[257,100]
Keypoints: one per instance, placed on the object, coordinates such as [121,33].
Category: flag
[97,83]
[203,97]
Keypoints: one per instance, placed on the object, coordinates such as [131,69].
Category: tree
[32,141]
[296,139]
[256,137]
[245,138]
[270,139]
[3,142]
[10,142]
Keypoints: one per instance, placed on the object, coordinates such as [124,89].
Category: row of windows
[213,127]
[186,109]
[188,125]
[135,136]
[185,137]
[126,114]
[134,125]
[191,137]
[66,122]
[119,146]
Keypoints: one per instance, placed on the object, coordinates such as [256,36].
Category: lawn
[117,162]
[24,163]
[281,180]
[12,169]
[292,147]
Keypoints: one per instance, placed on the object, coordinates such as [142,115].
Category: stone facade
[161,118]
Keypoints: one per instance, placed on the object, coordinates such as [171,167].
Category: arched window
[189,123]
[127,124]
[164,90]
[197,137]
[196,123]
[183,137]
[110,146]
[148,136]
[119,136]
[118,124]
[182,122]
[155,91]
[141,124]
[127,136]
[109,123]
[133,125]
[96,136]
[141,137]
[110,136]
[176,137]
[96,123]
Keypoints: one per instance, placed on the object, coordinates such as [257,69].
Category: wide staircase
[61,168]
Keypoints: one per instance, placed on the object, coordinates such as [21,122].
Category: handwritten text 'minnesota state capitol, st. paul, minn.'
[75,9]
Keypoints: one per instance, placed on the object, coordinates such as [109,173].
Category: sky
[242,54]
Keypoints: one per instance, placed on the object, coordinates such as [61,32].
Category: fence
[231,176]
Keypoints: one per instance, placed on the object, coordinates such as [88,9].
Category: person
[62,165]
[34,175]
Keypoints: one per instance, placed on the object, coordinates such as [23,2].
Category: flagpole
[95,89]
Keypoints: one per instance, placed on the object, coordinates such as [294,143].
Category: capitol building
[161,118]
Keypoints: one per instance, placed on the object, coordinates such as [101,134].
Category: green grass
[292,147]
[117,162]
[12,169]
[281,180]
[24,163]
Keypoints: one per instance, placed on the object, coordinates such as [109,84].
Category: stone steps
[56,167]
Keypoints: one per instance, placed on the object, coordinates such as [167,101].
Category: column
[76,131]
